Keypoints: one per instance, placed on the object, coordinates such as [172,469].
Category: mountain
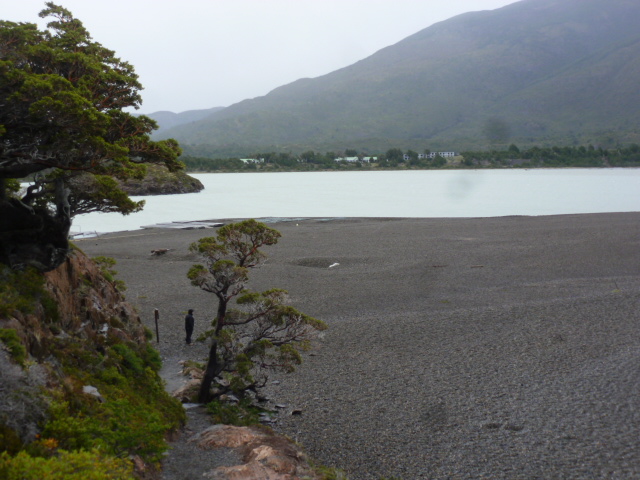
[167,120]
[532,72]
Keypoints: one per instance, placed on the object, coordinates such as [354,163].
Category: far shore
[503,347]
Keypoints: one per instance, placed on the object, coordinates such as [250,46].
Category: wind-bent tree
[62,125]
[263,333]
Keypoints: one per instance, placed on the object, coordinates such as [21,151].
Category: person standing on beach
[189,322]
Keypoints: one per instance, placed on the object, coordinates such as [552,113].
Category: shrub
[10,338]
[240,415]
[19,290]
[148,334]
[50,307]
[83,465]
[130,360]
[330,473]
[118,426]
[9,440]
[152,358]
[106,264]
[135,412]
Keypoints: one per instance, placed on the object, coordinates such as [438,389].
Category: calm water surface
[422,193]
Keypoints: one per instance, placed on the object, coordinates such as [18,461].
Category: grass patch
[20,290]
[10,338]
[106,264]
[84,465]
[241,414]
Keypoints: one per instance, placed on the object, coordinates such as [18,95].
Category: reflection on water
[422,193]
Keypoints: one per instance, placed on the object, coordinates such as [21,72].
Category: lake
[418,193]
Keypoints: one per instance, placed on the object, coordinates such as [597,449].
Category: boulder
[265,455]
[159,181]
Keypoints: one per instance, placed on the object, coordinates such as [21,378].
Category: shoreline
[214,223]
[457,348]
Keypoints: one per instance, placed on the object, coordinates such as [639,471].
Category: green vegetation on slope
[93,398]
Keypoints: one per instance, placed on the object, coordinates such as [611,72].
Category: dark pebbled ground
[458,348]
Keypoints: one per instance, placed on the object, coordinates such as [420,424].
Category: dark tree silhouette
[62,125]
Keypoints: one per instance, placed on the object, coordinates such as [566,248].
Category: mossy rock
[160,181]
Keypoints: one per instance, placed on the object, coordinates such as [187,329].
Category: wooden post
[157,315]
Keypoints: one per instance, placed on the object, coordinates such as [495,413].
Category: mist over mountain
[167,120]
[536,71]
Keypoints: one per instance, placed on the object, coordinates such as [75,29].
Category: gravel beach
[497,348]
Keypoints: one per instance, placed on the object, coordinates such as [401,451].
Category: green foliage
[78,465]
[58,78]
[12,185]
[119,426]
[50,307]
[200,164]
[21,291]
[513,156]
[63,126]
[10,338]
[330,473]
[241,414]
[159,180]
[240,241]
[99,193]
[266,334]
[132,418]
[129,359]
[151,358]
[148,334]
[10,441]
[106,264]
[556,157]
[135,411]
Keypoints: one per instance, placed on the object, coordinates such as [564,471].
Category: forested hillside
[541,72]
[167,120]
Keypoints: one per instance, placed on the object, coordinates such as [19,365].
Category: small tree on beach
[263,333]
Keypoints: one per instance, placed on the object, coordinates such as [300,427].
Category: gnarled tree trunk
[33,236]
[214,366]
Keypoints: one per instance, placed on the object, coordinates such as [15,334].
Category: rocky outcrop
[89,303]
[261,452]
[76,301]
[265,455]
[159,181]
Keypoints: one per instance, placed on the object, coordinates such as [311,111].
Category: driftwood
[159,251]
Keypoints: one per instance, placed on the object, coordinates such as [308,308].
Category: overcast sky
[196,54]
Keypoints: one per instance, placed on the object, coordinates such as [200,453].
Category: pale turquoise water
[423,193]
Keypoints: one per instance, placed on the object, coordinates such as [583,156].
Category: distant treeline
[557,157]
[512,157]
